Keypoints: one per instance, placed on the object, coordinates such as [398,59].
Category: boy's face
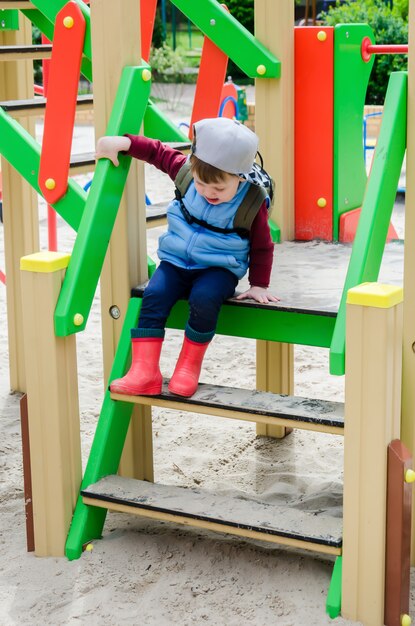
[218,192]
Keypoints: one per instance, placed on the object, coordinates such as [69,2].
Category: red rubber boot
[144,376]
[187,371]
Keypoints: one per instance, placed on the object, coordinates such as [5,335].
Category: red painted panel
[68,43]
[313,128]
[147,16]
[212,73]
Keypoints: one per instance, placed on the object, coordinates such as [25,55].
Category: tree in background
[389,25]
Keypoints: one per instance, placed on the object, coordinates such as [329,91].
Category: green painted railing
[101,207]
[107,447]
[377,207]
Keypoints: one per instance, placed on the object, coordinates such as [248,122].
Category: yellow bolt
[322,202]
[321,35]
[405,620]
[78,319]
[89,547]
[261,69]
[146,75]
[68,21]
[409,476]
[50,183]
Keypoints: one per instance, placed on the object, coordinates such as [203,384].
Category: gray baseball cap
[226,144]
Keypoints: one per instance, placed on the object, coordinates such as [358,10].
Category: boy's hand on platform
[109,147]
[259,294]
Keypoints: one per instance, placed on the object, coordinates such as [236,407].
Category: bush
[167,65]
[388,25]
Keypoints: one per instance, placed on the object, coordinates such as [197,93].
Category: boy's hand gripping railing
[377,207]
[101,207]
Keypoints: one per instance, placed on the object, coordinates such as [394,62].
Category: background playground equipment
[374,313]
[332,69]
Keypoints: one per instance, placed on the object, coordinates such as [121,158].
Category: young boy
[202,257]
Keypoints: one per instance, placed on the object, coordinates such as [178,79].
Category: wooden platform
[251,405]
[308,277]
[237,515]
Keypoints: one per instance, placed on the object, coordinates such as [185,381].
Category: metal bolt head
[212,22]
[115,312]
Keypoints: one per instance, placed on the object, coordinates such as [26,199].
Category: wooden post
[20,215]
[275,369]
[372,421]
[52,393]
[115,31]
[398,533]
[274,124]
[408,375]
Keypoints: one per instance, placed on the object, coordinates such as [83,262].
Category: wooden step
[234,514]
[37,105]
[254,406]
[16,53]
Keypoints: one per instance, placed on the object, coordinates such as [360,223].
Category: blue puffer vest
[194,247]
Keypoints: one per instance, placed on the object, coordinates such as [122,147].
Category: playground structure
[60,288]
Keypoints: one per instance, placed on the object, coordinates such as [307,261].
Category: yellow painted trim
[45,262]
[375,295]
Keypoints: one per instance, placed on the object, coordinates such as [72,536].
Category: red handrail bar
[368,48]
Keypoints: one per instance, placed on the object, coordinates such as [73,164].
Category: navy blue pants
[206,290]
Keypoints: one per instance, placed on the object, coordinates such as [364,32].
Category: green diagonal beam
[231,37]
[101,207]
[108,444]
[19,148]
[158,126]
[377,207]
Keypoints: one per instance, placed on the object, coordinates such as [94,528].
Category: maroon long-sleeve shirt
[170,161]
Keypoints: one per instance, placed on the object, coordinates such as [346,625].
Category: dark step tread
[228,510]
[39,102]
[322,413]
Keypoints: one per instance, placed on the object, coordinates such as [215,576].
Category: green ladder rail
[84,269]
[334,596]
[371,235]
[107,446]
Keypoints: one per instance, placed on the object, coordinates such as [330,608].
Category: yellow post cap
[405,620]
[409,476]
[45,262]
[50,183]
[146,75]
[321,35]
[68,21]
[78,319]
[375,295]
[261,70]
